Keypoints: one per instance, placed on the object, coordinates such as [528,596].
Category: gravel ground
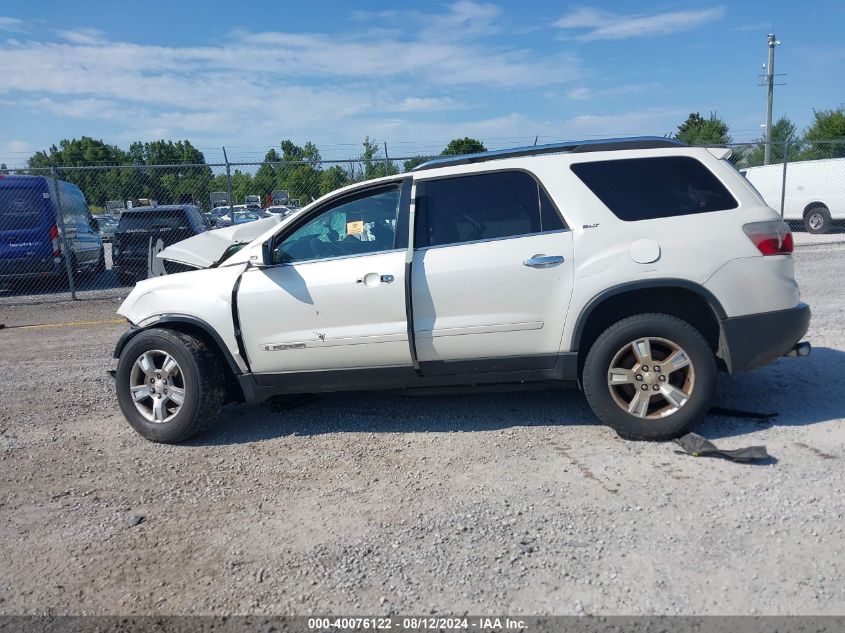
[379,503]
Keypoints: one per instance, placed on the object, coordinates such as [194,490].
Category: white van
[815,191]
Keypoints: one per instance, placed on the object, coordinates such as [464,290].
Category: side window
[69,205]
[484,206]
[351,226]
[83,216]
[648,188]
[197,219]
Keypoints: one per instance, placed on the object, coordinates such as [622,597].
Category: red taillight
[54,237]
[771,237]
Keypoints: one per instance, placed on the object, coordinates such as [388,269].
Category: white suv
[635,268]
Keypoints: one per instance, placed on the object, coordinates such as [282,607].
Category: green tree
[827,125]
[303,182]
[333,178]
[782,130]
[266,178]
[375,167]
[697,130]
[416,161]
[184,175]
[242,186]
[98,186]
[466,145]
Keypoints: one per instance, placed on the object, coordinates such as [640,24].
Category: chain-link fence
[804,180]
[89,231]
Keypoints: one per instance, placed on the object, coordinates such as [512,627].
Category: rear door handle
[543,261]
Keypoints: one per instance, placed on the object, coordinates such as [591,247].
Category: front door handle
[372,280]
[543,261]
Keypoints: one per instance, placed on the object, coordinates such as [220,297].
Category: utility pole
[770,84]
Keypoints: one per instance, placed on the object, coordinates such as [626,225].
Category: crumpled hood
[206,249]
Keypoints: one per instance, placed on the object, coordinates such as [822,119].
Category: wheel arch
[814,205]
[188,325]
[681,298]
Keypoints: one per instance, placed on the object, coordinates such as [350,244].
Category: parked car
[145,229]
[35,239]
[216,217]
[814,195]
[107,225]
[635,268]
[277,210]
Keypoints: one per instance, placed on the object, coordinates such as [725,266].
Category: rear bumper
[134,267]
[755,340]
[30,268]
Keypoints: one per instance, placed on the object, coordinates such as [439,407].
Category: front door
[335,296]
[492,274]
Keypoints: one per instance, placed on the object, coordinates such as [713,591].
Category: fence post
[386,161]
[783,177]
[60,223]
[229,186]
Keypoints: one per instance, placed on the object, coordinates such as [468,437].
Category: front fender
[200,298]
[182,323]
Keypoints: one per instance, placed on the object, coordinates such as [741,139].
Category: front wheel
[650,377]
[170,386]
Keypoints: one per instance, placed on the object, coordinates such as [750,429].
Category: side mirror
[267,253]
[95,225]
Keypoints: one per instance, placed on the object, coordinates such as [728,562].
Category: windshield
[149,220]
[20,208]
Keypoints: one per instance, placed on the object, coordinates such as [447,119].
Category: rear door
[492,274]
[25,241]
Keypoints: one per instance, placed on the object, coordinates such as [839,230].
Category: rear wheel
[817,220]
[650,377]
[170,386]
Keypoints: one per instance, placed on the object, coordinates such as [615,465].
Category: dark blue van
[30,247]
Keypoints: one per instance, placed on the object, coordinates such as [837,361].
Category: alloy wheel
[651,377]
[157,386]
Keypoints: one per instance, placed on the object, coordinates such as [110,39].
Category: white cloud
[583,93]
[12,25]
[15,151]
[657,121]
[82,36]
[605,25]
[270,84]
[425,104]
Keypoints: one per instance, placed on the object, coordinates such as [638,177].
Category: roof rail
[573,147]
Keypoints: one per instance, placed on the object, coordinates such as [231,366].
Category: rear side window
[482,207]
[20,208]
[153,220]
[648,188]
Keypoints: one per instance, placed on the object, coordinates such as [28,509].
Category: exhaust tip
[801,349]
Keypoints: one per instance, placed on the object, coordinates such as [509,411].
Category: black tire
[203,379]
[817,220]
[100,266]
[624,332]
[62,281]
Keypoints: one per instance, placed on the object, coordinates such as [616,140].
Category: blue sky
[247,74]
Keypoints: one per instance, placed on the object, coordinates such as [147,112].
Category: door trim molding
[479,329]
[491,371]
